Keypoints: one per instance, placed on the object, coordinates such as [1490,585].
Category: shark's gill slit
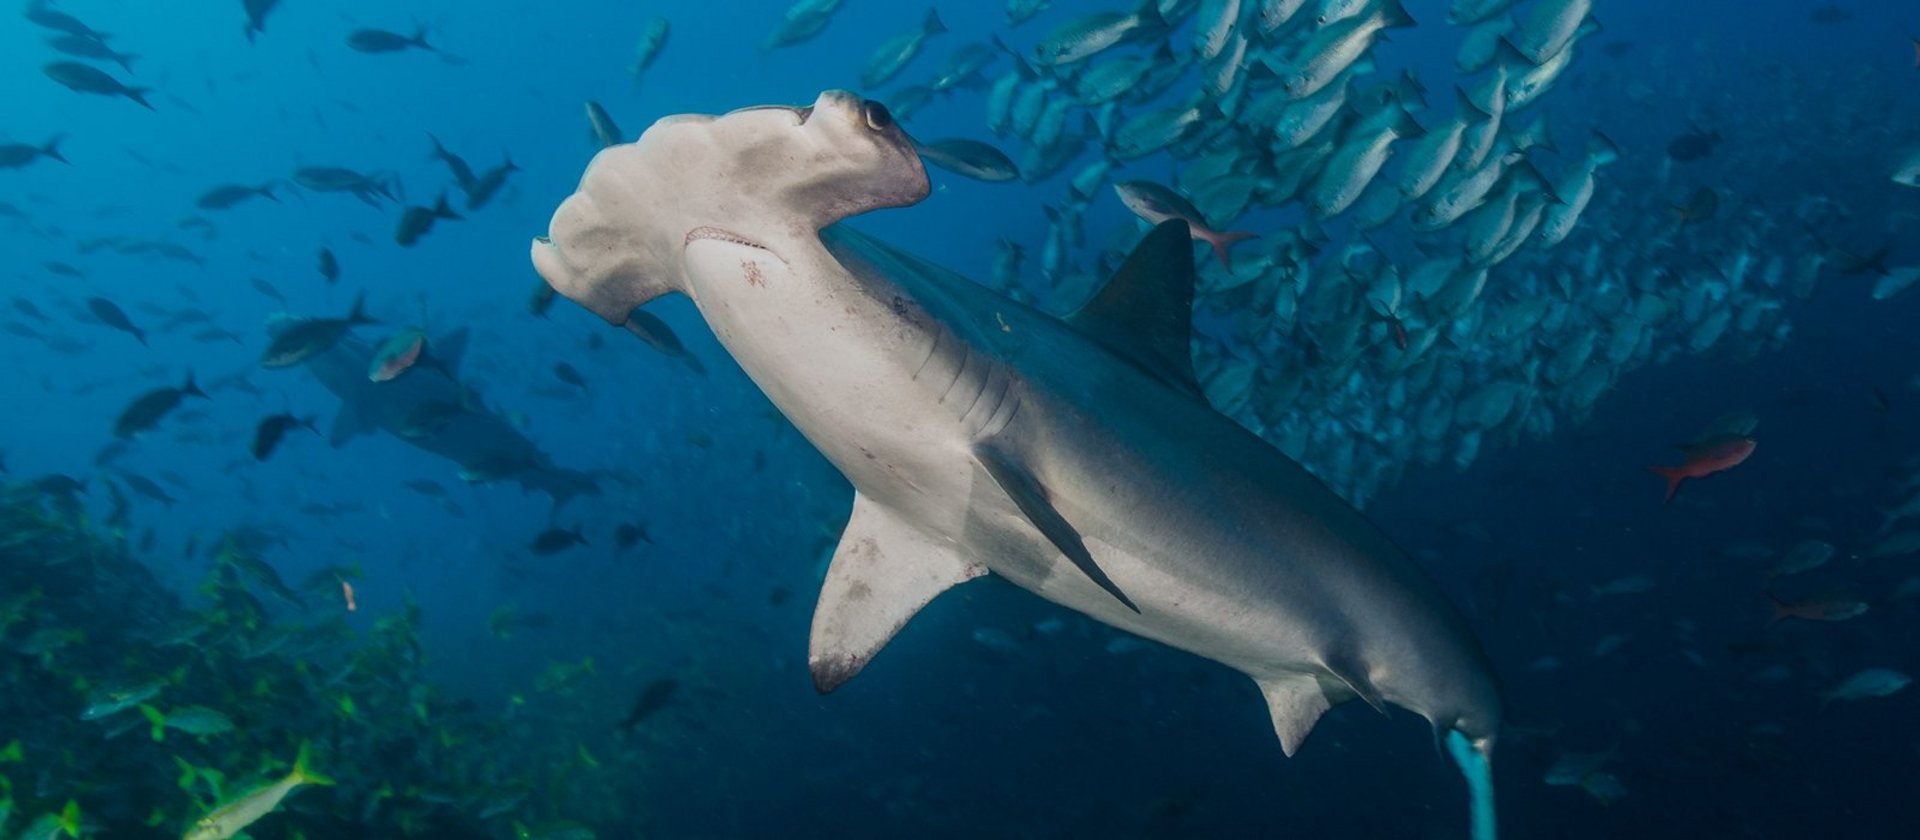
[721,235]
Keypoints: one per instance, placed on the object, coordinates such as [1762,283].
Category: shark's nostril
[878,117]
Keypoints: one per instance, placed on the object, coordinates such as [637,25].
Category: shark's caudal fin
[883,572]
[1477,766]
[1145,313]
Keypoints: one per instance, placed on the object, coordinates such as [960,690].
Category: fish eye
[878,117]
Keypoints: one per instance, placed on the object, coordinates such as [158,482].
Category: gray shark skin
[484,445]
[1076,457]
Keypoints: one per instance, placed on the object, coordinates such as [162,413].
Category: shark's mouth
[721,235]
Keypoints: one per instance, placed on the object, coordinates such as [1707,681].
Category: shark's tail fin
[1477,765]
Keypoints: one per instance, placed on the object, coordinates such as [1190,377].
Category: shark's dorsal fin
[346,424]
[1296,703]
[449,351]
[1145,312]
[881,575]
[1028,494]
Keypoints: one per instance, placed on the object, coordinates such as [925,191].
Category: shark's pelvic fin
[883,572]
[1145,312]
[346,424]
[1296,703]
[1031,497]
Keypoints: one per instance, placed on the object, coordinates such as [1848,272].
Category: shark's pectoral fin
[1031,498]
[1145,312]
[1296,703]
[883,572]
[346,424]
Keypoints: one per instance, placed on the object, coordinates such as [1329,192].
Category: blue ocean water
[995,713]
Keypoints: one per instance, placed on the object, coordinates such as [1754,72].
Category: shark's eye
[878,118]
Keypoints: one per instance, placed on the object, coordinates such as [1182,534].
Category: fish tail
[189,388]
[1673,475]
[70,819]
[156,720]
[303,772]
[933,24]
[1781,611]
[1221,240]
[420,38]
[52,149]
[140,95]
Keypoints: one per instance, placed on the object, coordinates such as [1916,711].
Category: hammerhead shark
[484,445]
[1076,457]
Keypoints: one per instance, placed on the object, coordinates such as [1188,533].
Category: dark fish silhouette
[84,47]
[382,41]
[1693,145]
[257,11]
[417,221]
[16,155]
[146,410]
[555,540]
[267,436]
[113,316]
[85,78]
[653,698]
[655,332]
[329,267]
[310,337]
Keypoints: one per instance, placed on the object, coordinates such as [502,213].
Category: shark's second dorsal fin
[1296,702]
[881,575]
[1145,312]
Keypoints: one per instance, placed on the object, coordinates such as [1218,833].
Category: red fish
[1704,460]
[1822,609]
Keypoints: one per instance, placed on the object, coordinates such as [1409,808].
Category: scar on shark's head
[763,177]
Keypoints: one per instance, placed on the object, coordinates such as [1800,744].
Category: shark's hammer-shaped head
[766,177]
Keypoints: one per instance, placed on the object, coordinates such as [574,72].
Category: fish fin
[1296,702]
[358,315]
[1673,475]
[448,352]
[883,572]
[70,819]
[1145,313]
[1395,15]
[157,720]
[1031,497]
[303,772]
[933,25]
[349,422]
[1221,240]
[1353,683]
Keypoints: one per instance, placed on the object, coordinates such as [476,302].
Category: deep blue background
[943,734]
